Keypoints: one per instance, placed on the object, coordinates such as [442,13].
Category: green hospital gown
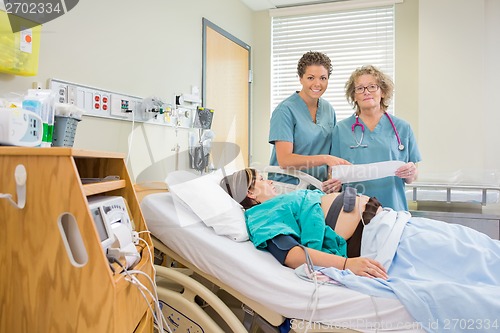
[298,214]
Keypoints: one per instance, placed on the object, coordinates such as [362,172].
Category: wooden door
[226,89]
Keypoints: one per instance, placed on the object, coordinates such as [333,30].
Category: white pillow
[204,196]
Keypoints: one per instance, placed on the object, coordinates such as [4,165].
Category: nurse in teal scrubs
[302,125]
[384,138]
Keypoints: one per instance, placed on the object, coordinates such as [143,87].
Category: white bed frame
[184,298]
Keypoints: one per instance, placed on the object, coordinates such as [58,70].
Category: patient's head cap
[238,184]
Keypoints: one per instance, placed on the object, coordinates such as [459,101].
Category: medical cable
[360,213]
[153,282]
[131,138]
[371,297]
[157,313]
[313,302]
[162,317]
[134,281]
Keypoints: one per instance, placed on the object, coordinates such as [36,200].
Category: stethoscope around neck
[359,144]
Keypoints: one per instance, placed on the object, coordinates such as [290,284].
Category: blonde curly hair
[383,81]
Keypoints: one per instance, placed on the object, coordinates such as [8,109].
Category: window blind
[350,38]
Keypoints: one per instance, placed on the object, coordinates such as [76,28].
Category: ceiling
[268,4]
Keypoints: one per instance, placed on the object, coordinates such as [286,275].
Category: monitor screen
[100,225]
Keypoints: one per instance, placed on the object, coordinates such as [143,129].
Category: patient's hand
[366,267]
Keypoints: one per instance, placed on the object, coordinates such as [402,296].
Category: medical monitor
[105,234]
[101,221]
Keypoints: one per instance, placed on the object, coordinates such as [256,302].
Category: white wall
[146,48]
[458,70]
[261,88]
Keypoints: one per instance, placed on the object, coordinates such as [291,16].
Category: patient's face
[263,189]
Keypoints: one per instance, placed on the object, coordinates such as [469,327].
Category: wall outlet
[105,102]
[119,105]
[36,85]
[60,90]
[72,94]
[96,100]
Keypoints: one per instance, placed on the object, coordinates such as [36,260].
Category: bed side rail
[449,188]
[186,301]
[304,179]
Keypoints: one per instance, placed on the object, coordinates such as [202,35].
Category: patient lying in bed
[442,273]
[318,214]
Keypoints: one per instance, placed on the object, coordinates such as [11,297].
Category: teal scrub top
[382,146]
[298,214]
[292,122]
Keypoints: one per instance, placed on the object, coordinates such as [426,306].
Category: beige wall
[261,88]
[406,62]
[458,70]
[146,48]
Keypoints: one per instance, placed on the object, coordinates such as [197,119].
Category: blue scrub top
[292,122]
[382,146]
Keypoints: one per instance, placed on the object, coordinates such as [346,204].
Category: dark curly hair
[314,58]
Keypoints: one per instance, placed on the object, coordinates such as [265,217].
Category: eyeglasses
[370,88]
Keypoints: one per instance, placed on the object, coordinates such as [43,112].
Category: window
[351,38]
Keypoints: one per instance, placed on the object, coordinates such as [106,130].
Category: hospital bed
[269,293]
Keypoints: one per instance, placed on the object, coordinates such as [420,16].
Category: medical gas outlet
[97,102]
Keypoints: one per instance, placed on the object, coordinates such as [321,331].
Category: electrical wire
[359,209]
[157,313]
[131,139]
[313,302]
[151,258]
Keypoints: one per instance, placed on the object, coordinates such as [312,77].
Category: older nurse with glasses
[372,135]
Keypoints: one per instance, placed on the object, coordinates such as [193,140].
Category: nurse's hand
[408,172]
[331,185]
[334,160]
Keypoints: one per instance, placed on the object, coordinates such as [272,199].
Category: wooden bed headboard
[143,189]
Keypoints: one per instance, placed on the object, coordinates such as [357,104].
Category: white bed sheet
[257,275]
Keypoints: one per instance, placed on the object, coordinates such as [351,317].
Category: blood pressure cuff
[280,245]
